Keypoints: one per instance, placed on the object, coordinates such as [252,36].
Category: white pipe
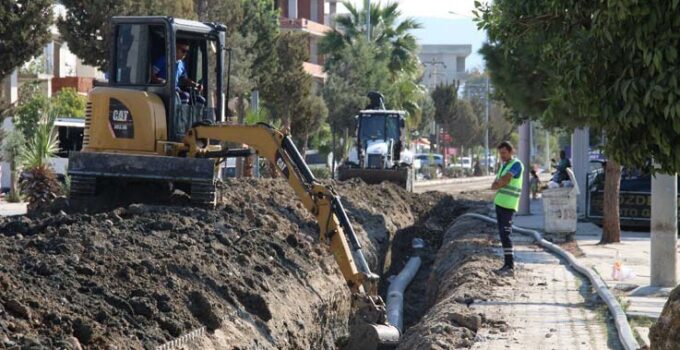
[620,320]
[395,293]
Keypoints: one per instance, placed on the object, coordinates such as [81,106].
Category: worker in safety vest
[508,187]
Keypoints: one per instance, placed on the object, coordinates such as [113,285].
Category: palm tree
[40,186]
[392,38]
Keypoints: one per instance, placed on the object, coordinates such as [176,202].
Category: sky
[442,27]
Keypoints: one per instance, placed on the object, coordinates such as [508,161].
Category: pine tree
[87,30]
[24,31]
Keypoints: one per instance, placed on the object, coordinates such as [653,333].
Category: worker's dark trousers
[504,217]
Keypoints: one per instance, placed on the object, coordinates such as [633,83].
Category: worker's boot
[508,268]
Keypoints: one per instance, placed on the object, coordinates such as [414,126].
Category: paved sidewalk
[547,307]
[634,252]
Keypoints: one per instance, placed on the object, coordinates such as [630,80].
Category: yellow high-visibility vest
[508,196]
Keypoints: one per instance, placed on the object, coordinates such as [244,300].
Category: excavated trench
[250,274]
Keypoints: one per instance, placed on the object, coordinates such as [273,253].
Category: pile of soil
[438,211]
[139,276]
[462,272]
[665,333]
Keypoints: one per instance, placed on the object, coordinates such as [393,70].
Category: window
[372,128]
[138,47]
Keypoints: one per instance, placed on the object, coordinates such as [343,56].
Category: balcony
[305,25]
[314,70]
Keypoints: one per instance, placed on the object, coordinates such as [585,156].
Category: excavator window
[137,45]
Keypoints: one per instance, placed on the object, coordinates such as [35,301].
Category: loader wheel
[203,193]
[83,186]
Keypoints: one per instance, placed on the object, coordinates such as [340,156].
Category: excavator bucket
[365,336]
[403,177]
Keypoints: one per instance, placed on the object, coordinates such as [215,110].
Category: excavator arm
[324,203]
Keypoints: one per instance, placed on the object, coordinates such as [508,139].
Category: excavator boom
[370,328]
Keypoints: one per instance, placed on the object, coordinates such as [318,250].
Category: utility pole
[368,19]
[547,150]
[486,127]
[435,73]
[664,231]
[580,160]
[524,145]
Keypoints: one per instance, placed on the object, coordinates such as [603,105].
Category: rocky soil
[252,270]
[462,273]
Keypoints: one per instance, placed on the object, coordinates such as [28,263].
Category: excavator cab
[154,54]
[135,124]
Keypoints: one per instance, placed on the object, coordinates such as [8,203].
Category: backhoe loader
[142,127]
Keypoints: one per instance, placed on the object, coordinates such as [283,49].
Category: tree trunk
[611,225]
[12,178]
[202,10]
[334,153]
[305,145]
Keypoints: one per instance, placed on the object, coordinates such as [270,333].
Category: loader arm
[369,327]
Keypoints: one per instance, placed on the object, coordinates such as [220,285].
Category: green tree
[41,185]
[24,31]
[309,120]
[12,142]
[69,103]
[465,127]
[390,34]
[291,84]
[608,65]
[261,20]
[87,30]
[30,110]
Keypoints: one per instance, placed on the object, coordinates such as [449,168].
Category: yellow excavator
[160,118]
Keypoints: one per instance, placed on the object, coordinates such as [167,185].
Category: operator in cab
[182,80]
[508,187]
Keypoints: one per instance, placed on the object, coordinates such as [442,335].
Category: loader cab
[145,48]
[380,126]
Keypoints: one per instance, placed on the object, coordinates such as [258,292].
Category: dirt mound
[460,274]
[141,275]
[665,333]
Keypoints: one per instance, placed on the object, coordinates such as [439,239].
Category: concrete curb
[626,336]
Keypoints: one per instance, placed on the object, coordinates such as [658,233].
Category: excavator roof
[181,24]
[382,111]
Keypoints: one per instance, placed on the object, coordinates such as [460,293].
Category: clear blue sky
[442,27]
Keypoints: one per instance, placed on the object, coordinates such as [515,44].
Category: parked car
[466,163]
[428,160]
[634,195]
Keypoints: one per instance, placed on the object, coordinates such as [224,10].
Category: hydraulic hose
[626,336]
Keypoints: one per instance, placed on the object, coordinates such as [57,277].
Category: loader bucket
[400,176]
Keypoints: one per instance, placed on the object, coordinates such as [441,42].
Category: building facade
[308,16]
[444,64]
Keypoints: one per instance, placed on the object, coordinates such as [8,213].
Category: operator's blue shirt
[160,68]
[515,169]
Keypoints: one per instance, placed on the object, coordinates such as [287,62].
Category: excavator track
[83,186]
[203,193]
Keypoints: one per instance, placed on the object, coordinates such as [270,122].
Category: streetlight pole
[486,126]
[368,19]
